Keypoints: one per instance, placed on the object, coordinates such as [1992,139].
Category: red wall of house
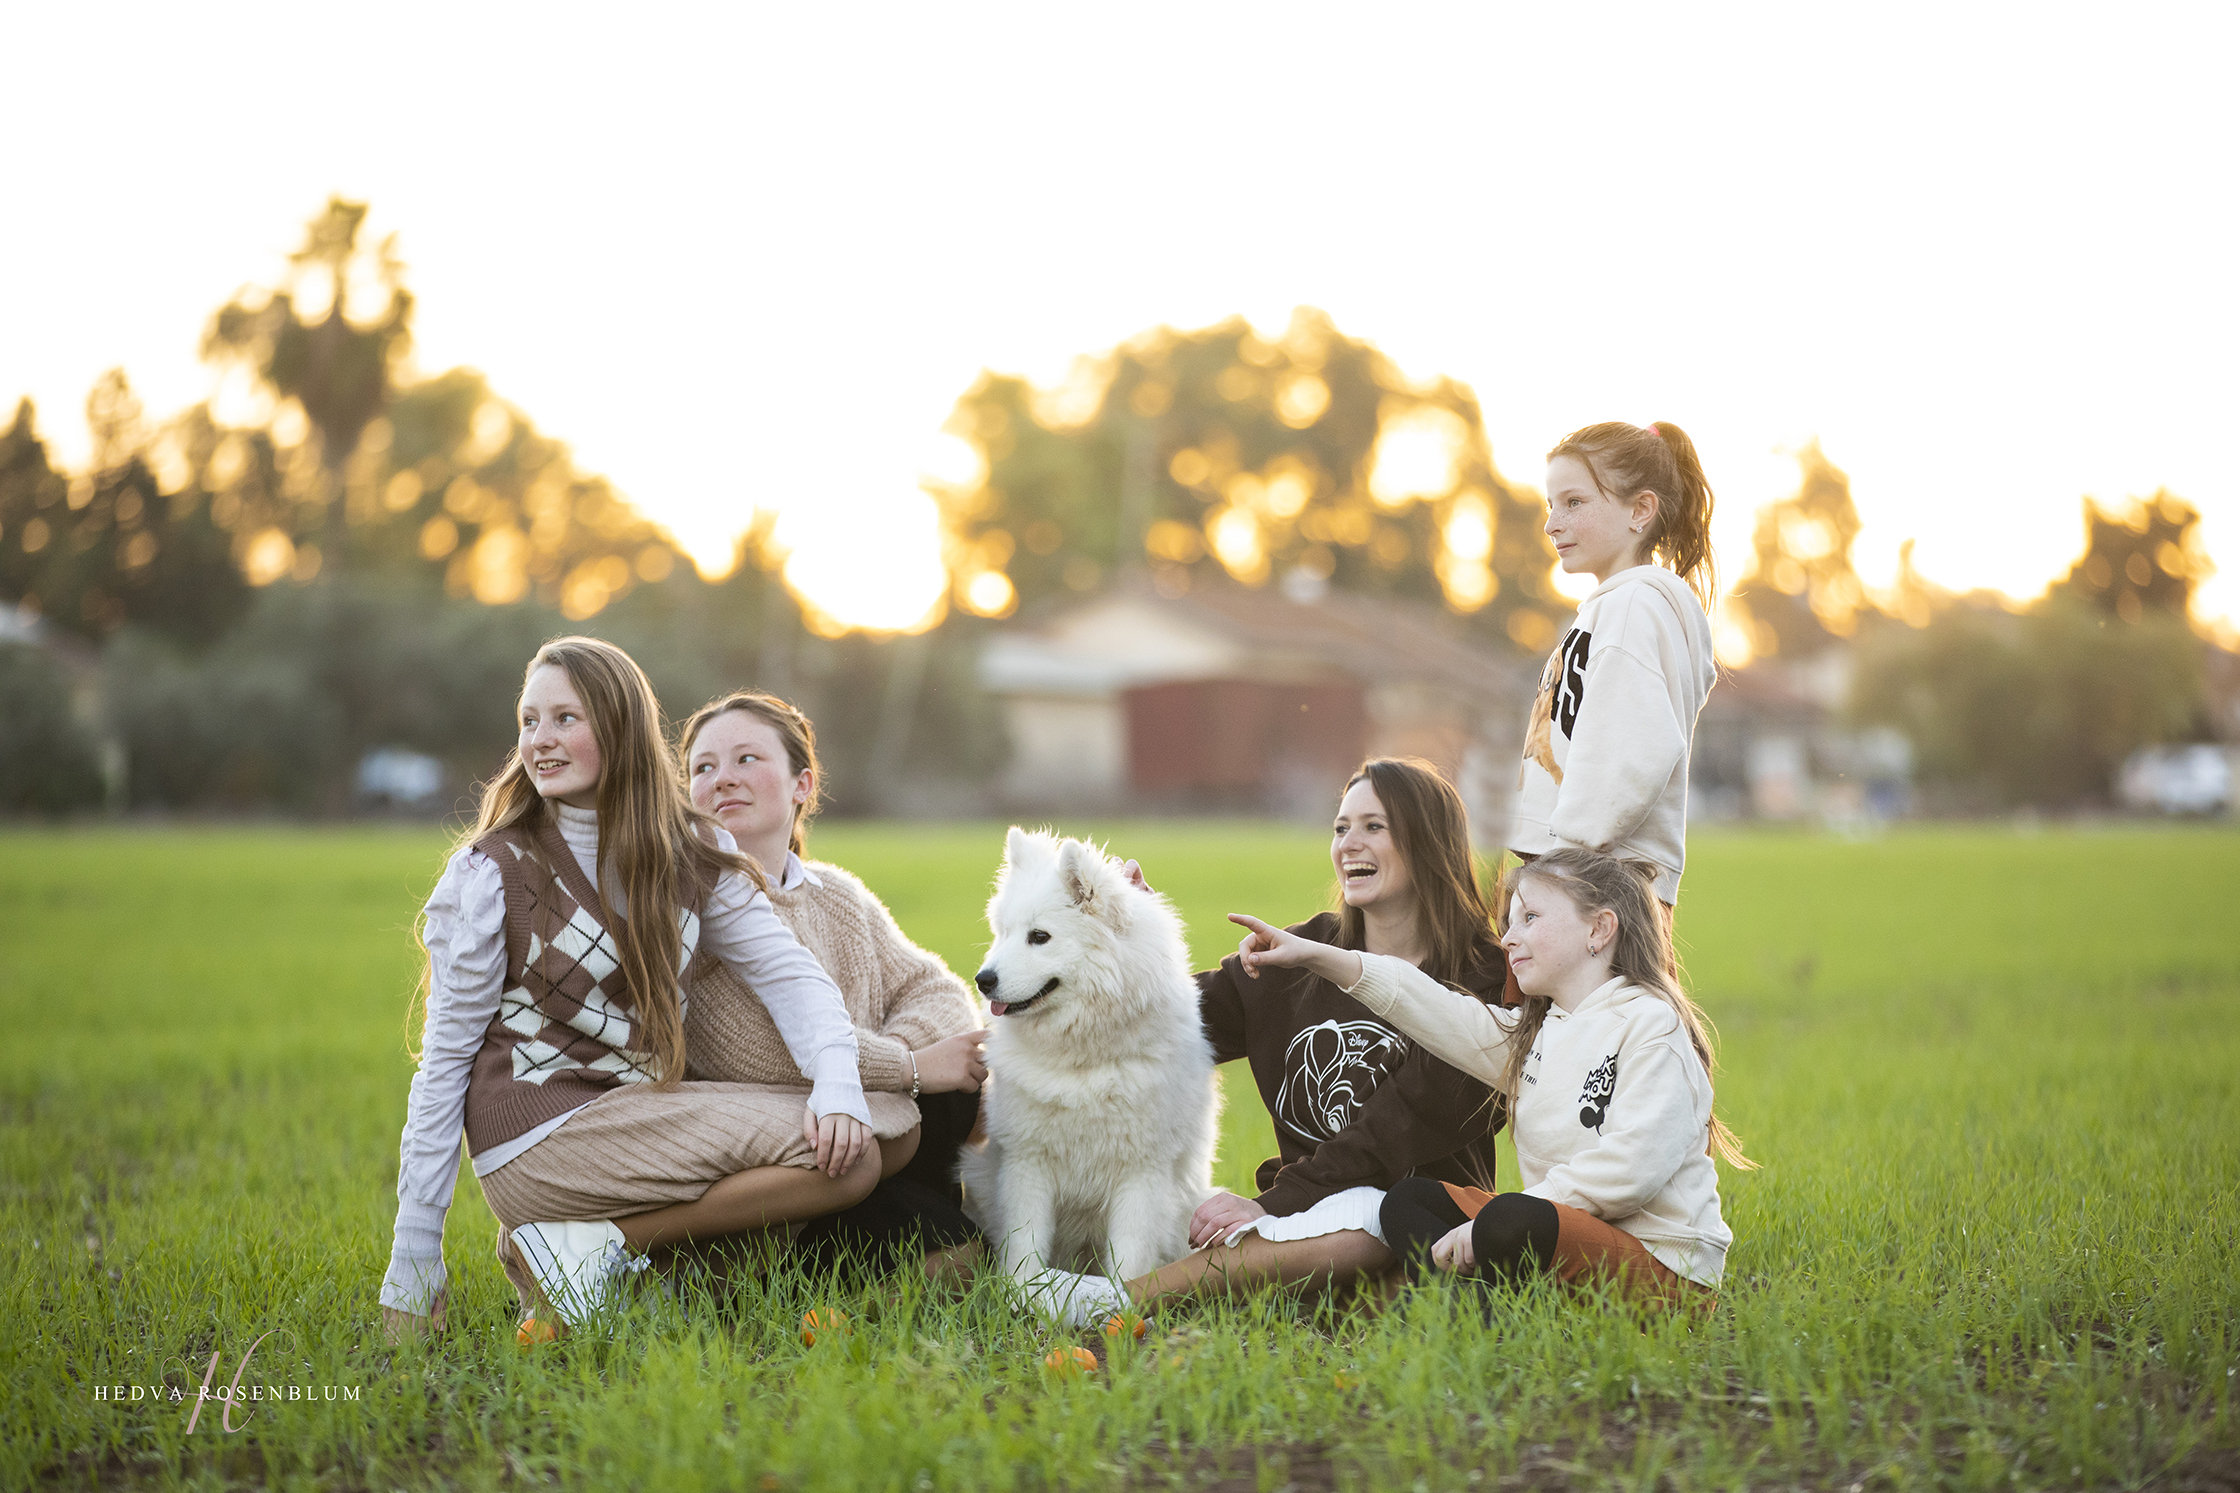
[1240,738]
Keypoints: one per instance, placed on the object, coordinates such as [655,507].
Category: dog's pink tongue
[997,1008]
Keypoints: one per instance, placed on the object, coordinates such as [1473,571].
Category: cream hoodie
[1615,1114]
[1606,758]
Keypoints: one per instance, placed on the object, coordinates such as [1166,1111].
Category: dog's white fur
[1101,1102]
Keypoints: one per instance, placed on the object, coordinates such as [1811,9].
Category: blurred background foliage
[231,612]
[1194,456]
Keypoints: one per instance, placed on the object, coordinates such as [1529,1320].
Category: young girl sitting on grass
[751,761]
[556,939]
[1608,1068]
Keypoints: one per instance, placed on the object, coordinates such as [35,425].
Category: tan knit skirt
[638,1148]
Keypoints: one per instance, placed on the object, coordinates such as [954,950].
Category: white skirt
[1355,1208]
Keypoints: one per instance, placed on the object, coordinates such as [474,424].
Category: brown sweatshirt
[1355,1103]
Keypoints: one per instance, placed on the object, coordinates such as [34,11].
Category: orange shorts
[1589,1251]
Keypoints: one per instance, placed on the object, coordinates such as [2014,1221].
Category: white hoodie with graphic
[1606,758]
[1614,1113]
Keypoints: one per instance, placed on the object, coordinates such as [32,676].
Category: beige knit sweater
[900,997]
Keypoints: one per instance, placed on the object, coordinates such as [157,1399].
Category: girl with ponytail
[1606,1067]
[1606,756]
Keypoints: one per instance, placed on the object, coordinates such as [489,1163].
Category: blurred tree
[459,481]
[2039,707]
[1308,460]
[47,761]
[129,540]
[302,341]
[1801,592]
[34,515]
[2146,558]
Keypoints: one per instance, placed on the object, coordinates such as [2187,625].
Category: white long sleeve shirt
[465,935]
[1614,1117]
[1606,758]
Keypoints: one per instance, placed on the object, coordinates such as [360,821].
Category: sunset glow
[1984,264]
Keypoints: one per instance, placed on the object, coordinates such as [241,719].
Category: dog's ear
[1016,845]
[1081,872]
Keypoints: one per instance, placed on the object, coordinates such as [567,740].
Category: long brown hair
[1431,830]
[795,732]
[1625,459]
[1641,955]
[660,847]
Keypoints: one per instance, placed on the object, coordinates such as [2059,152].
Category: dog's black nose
[986,980]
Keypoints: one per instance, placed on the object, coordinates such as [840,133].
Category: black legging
[1513,1237]
[915,1210]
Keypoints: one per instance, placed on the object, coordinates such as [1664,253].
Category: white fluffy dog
[1101,1106]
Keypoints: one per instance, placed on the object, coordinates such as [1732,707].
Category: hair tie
[1651,427]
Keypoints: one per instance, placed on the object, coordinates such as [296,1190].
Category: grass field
[1994,1080]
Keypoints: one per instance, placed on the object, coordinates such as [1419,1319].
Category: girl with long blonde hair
[559,940]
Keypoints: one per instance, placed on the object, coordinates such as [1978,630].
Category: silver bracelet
[913,1073]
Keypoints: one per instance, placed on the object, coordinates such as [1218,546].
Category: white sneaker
[574,1265]
[1074,1300]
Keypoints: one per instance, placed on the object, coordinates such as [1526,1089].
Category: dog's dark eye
[1038,936]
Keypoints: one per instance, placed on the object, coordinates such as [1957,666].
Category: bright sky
[751,255]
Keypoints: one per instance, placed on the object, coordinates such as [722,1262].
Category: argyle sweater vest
[563,1034]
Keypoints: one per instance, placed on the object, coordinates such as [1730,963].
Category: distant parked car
[2193,779]
[394,775]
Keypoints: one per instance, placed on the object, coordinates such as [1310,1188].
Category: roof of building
[1131,635]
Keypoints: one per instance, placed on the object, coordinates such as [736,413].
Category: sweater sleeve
[1653,1120]
[466,939]
[1624,749]
[1424,1110]
[740,927]
[1459,1029]
[923,1000]
[1221,1009]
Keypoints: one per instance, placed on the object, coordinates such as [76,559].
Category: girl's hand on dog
[840,1140]
[1219,1214]
[1454,1251]
[953,1063]
[1269,947]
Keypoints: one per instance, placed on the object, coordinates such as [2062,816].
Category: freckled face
[557,743]
[1547,938]
[741,775]
[1371,869]
[1592,533]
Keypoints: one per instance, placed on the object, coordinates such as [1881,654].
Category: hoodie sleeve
[1460,1029]
[1654,1121]
[1221,1008]
[1624,749]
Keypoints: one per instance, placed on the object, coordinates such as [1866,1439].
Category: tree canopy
[1308,461]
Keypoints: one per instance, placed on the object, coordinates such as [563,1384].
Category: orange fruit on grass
[533,1332]
[1067,1362]
[826,1320]
[1118,1326]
